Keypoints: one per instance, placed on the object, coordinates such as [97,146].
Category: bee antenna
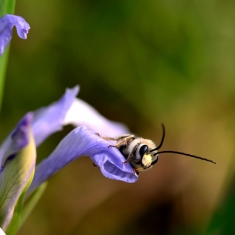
[186,154]
[162,140]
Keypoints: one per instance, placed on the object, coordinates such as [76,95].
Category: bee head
[146,158]
[146,153]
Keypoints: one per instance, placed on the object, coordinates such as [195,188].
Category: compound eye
[143,150]
[155,160]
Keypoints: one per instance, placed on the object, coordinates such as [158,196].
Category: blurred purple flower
[6,25]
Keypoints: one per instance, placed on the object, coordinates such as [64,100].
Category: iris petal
[50,119]
[81,113]
[6,24]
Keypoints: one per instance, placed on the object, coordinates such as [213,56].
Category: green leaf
[6,7]
[32,201]
[3,66]
[223,219]
[21,213]
[16,219]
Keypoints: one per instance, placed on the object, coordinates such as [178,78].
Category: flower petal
[81,113]
[79,142]
[47,120]
[51,118]
[6,24]
[17,167]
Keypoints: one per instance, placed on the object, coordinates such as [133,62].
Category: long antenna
[186,154]
[162,140]
[176,152]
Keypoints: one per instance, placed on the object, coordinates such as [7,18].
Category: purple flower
[6,24]
[82,141]
[79,142]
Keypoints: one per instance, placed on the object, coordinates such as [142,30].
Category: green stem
[6,7]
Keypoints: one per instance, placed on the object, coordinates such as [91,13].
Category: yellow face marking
[147,160]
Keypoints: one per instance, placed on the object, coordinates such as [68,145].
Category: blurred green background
[140,62]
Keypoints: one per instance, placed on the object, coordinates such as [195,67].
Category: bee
[142,153]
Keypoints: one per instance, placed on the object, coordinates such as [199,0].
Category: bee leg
[112,146]
[94,164]
[104,137]
[138,169]
[129,158]
[108,138]
[124,138]
[136,172]
[123,142]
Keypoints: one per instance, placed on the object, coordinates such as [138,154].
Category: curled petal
[84,142]
[17,168]
[6,24]
[81,113]
[51,118]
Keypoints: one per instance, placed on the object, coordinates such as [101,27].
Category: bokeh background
[140,62]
